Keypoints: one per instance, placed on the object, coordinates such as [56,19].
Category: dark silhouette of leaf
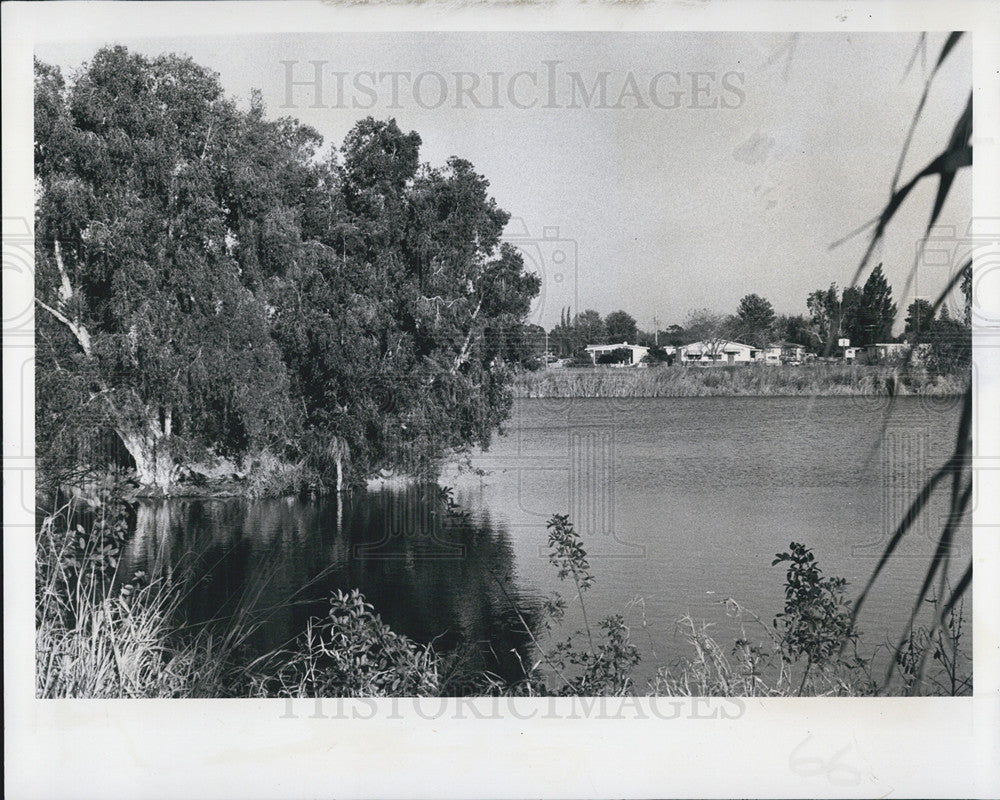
[949,45]
[957,155]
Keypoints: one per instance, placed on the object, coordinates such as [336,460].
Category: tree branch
[65,287]
[79,331]
[463,354]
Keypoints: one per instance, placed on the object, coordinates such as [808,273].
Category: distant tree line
[576,331]
[210,281]
[863,315]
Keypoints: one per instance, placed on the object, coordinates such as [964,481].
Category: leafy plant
[816,623]
[349,653]
[603,667]
[567,555]
[944,643]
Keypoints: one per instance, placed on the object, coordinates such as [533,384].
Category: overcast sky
[716,164]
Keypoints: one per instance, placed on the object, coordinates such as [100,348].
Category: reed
[814,380]
[99,634]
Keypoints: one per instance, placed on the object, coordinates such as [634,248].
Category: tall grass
[824,380]
[100,634]
[942,169]
[753,668]
[119,647]
[88,641]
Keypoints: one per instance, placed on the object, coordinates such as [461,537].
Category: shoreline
[275,479]
[815,380]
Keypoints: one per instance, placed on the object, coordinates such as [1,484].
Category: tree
[755,320]
[834,316]
[590,328]
[715,330]
[876,311]
[620,327]
[852,325]
[533,352]
[145,317]
[209,283]
[951,344]
[423,306]
[824,311]
[562,338]
[658,355]
[675,335]
[795,328]
[919,316]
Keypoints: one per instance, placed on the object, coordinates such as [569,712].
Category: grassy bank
[102,634]
[823,380]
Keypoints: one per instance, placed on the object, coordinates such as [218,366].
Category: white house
[890,350]
[772,354]
[637,350]
[720,352]
[784,353]
[917,353]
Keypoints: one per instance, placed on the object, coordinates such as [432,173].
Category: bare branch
[80,333]
[463,354]
[66,293]
[65,287]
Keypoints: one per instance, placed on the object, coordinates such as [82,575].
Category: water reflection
[681,502]
[430,574]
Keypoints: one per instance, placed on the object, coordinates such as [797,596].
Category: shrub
[817,623]
[601,668]
[620,355]
[581,358]
[349,653]
[943,642]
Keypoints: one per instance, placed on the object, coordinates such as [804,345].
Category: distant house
[887,350]
[784,353]
[638,352]
[720,353]
[919,353]
[772,354]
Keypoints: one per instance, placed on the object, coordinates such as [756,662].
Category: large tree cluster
[864,316]
[575,331]
[213,281]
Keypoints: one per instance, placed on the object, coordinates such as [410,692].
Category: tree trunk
[339,452]
[150,449]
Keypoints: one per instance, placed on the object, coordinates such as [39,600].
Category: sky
[716,164]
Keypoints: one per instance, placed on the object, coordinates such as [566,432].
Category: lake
[681,502]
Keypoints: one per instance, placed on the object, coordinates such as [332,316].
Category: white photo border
[641,747]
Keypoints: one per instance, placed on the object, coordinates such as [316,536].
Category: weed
[817,621]
[349,653]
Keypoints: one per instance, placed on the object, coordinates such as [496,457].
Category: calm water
[682,502]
